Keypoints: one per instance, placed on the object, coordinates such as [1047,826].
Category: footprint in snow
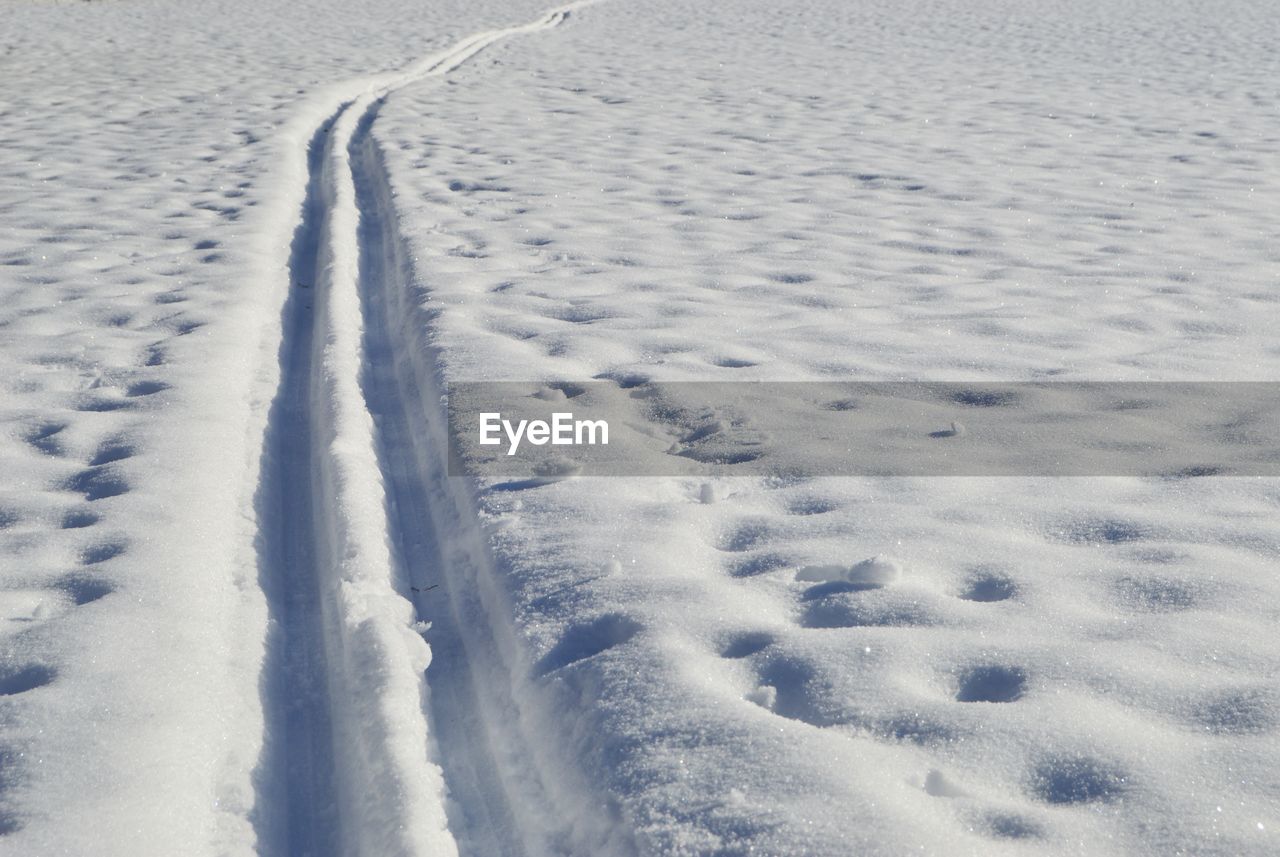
[1004,825]
[733,363]
[145,388]
[834,605]
[44,438]
[98,483]
[987,585]
[1241,711]
[744,537]
[1078,779]
[746,644]
[789,687]
[102,405]
[103,552]
[992,683]
[752,566]
[858,596]
[805,506]
[111,450]
[1155,594]
[84,589]
[988,398]
[21,679]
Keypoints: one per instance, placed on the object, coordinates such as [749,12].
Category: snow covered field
[246,247]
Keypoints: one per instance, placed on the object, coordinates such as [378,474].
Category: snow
[250,251]
[871,573]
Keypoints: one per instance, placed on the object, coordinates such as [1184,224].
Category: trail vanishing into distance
[811,262]
[362,536]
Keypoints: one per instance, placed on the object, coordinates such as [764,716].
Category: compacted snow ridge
[248,248]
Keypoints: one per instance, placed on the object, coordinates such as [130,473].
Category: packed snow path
[355,470]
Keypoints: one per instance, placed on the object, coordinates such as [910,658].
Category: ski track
[350,481]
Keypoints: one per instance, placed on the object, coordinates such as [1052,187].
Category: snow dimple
[145,388]
[103,551]
[155,355]
[116,449]
[99,483]
[16,680]
[746,644]
[992,683]
[84,589]
[1242,711]
[983,398]
[625,380]
[586,640]
[791,278]
[922,730]
[102,404]
[708,436]
[789,687]
[758,564]
[744,536]
[1102,530]
[578,313]
[1010,826]
[811,506]
[469,187]
[841,605]
[988,586]
[1078,779]
[733,363]
[1157,594]
[43,437]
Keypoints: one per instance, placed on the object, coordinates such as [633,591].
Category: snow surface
[245,249]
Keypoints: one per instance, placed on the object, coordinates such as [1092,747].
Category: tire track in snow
[345,769]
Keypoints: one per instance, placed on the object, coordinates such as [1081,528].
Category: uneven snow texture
[867,190]
[876,191]
[144,151]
